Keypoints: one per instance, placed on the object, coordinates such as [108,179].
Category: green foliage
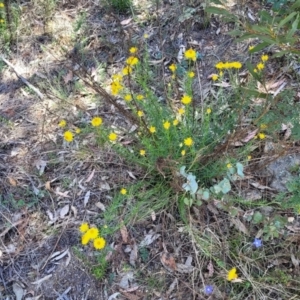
[120,6]
[276,28]
[99,270]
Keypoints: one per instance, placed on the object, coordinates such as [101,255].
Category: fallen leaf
[64,211]
[240,226]
[133,255]
[42,279]
[48,186]
[168,261]
[172,286]
[12,181]
[126,21]
[124,233]
[149,239]
[153,215]
[64,194]
[184,268]
[86,198]
[90,176]
[18,290]
[68,77]
[250,136]
[100,205]
[260,186]
[40,165]
[210,268]
[113,296]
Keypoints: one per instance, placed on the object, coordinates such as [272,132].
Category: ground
[48,188]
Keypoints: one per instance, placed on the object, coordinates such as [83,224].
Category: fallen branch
[41,96]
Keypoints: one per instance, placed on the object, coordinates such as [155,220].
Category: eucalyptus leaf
[188,201]
[240,169]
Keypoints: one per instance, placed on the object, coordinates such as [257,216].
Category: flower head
[257,243]
[260,66]
[183,152]
[208,111]
[123,191]
[140,113]
[263,126]
[96,121]
[175,122]
[181,111]
[127,97]
[116,87]
[93,233]
[1,5]
[112,136]
[190,54]
[99,243]
[127,70]
[249,157]
[117,77]
[191,74]
[1,21]
[62,123]
[152,129]
[132,60]
[133,50]
[139,97]
[251,48]
[142,152]
[229,166]
[166,125]
[236,65]
[146,35]
[186,100]
[77,130]
[231,275]
[85,239]
[208,289]
[84,227]
[188,141]
[68,136]
[261,136]
[214,77]
[264,57]
[173,67]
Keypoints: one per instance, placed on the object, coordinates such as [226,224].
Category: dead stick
[23,79]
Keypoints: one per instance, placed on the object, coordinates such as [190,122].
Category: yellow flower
[146,36]
[208,111]
[133,50]
[175,122]
[236,65]
[260,66]
[173,67]
[183,152]
[112,136]
[62,123]
[188,141]
[127,70]
[251,48]
[84,227]
[96,121]
[139,97]
[221,73]
[229,166]
[77,130]
[85,239]
[261,136]
[190,54]
[214,77]
[142,152]
[264,57]
[219,65]
[263,126]
[181,111]
[231,275]
[1,5]
[116,87]
[255,70]
[99,243]
[127,97]
[123,191]
[117,77]
[93,233]
[132,60]
[191,74]
[186,100]
[167,125]
[2,21]
[152,129]
[68,136]
[249,157]
[140,113]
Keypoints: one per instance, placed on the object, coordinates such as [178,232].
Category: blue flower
[257,243]
[208,289]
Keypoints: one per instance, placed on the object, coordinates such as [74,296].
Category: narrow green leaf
[259,47]
[287,19]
